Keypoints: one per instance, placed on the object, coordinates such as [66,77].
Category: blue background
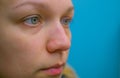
[95,49]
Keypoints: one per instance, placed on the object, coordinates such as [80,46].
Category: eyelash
[36,20]
[66,21]
[33,20]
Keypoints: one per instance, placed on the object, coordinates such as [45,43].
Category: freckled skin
[24,50]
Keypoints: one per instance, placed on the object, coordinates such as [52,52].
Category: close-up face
[35,37]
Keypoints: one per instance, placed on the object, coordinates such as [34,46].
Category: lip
[54,70]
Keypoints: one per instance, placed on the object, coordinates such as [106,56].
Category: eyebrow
[31,3]
[70,9]
[41,5]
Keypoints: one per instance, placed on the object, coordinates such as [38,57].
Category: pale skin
[34,35]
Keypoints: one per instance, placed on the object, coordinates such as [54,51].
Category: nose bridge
[59,33]
[59,40]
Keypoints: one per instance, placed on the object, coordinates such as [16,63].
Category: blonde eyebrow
[43,6]
[70,9]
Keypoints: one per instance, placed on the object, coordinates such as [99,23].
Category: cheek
[20,52]
[24,48]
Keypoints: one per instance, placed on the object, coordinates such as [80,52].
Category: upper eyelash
[30,16]
[69,19]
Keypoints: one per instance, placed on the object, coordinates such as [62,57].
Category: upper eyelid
[28,21]
[67,17]
[40,15]
[31,16]
[69,14]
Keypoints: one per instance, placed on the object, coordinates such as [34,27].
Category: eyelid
[30,16]
[28,20]
[67,19]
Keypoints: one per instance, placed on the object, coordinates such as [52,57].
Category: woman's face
[34,37]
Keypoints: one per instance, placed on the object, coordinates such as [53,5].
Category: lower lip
[53,71]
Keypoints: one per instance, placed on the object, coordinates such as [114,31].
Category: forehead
[47,2]
[55,5]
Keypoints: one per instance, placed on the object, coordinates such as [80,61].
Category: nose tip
[59,42]
[58,45]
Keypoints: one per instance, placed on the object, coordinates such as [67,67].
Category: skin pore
[34,37]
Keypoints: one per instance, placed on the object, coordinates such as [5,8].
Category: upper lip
[54,66]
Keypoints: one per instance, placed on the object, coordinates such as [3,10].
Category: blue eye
[66,21]
[33,20]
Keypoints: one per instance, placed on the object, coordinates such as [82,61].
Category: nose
[59,40]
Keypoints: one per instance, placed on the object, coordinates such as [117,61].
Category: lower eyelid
[31,25]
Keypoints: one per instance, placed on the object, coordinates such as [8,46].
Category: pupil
[65,21]
[34,20]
